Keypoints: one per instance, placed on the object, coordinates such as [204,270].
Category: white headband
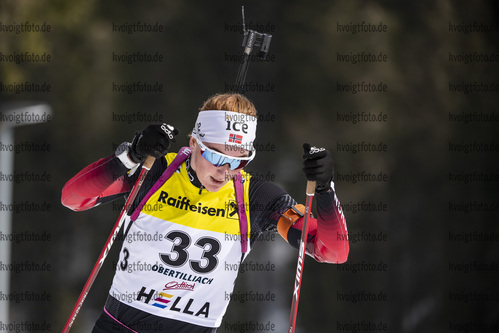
[226,127]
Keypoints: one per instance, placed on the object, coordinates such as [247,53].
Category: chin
[212,185]
[211,188]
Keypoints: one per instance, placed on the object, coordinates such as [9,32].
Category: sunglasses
[218,159]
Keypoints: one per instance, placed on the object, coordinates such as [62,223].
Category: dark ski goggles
[218,159]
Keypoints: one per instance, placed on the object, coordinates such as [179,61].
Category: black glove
[154,140]
[318,166]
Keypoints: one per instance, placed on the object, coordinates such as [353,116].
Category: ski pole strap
[289,218]
[182,155]
[243,219]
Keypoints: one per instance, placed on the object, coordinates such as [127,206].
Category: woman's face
[212,177]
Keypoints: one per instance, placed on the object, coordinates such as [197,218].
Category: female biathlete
[191,222]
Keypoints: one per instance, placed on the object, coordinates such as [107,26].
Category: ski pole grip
[149,161]
[311,187]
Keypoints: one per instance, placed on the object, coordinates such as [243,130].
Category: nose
[225,167]
[223,170]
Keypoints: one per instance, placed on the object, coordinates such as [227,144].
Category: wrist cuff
[321,188]
[122,154]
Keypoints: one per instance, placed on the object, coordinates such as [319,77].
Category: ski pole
[310,191]
[146,166]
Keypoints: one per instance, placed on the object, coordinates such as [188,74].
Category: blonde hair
[230,102]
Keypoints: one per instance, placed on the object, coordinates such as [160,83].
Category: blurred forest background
[424,239]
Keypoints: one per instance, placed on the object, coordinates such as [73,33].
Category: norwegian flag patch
[235,138]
